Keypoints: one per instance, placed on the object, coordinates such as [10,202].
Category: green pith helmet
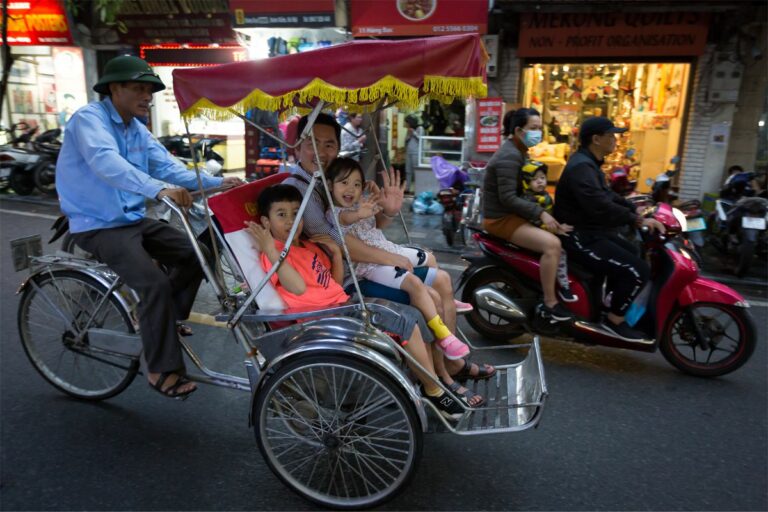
[128,69]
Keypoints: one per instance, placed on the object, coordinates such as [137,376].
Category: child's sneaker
[462,307]
[448,407]
[453,348]
[567,295]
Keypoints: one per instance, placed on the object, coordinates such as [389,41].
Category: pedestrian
[584,200]
[108,165]
[414,133]
[353,137]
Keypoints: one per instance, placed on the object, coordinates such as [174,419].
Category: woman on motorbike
[509,216]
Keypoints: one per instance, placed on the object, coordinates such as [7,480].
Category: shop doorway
[648,98]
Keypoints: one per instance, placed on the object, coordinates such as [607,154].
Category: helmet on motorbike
[126,68]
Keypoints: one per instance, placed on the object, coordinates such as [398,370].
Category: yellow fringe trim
[444,89]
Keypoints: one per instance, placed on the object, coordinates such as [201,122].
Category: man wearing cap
[108,165]
[584,200]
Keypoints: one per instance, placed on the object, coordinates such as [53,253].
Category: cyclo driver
[109,163]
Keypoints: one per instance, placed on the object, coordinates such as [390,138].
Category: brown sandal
[467,396]
[486,371]
[172,391]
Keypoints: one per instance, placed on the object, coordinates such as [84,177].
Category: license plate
[22,249]
[696,224]
[753,222]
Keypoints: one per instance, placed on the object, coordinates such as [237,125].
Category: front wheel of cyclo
[337,431]
[54,308]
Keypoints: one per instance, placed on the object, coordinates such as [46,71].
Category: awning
[356,74]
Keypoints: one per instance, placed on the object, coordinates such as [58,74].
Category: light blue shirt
[106,169]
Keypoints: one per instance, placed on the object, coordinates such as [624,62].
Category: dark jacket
[501,194]
[584,200]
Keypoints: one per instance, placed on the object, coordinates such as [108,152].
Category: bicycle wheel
[337,431]
[54,308]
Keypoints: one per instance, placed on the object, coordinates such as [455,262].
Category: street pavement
[621,431]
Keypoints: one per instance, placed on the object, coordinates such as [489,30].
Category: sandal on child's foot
[172,391]
[470,398]
[448,407]
[484,371]
[453,348]
[462,307]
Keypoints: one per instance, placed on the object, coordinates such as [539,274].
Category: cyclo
[336,415]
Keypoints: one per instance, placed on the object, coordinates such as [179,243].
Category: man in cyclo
[327,136]
[108,165]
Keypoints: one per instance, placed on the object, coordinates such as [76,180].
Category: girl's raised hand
[369,206]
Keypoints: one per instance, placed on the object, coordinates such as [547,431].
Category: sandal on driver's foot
[184,329]
[469,397]
[484,371]
[172,391]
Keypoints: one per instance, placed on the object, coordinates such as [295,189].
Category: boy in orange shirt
[309,278]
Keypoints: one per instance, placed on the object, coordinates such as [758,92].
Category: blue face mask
[532,138]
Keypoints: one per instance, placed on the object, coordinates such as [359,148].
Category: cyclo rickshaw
[336,414]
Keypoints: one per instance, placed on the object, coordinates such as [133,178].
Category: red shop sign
[37,22]
[489,117]
[612,34]
[376,18]
[283,13]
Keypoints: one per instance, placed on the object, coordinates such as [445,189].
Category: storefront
[47,81]
[635,68]
[446,127]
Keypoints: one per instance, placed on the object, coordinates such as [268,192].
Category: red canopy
[355,74]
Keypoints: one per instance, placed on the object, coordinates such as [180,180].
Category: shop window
[647,98]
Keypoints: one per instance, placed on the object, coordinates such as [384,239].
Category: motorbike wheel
[489,325]
[22,182]
[448,228]
[44,176]
[746,255]
[729,333]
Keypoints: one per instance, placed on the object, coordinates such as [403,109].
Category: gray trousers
[166,297]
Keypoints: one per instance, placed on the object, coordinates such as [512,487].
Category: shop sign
[175,21]
[37,22]
[191,55]
[489,117]
[612,34]
[283,13]
[376,18]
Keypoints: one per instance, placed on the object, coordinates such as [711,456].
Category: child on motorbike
[417,270]
[535,189]
[309,278]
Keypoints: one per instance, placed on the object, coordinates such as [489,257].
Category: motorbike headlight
[680,216]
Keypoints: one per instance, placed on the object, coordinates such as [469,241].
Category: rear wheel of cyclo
[337,431]
[53,308]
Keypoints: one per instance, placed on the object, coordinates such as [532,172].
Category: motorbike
[178,146]
[460,199]
[17,160]
[700,326]
[47,146]
[740,228]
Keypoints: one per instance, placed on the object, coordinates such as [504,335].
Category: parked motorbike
[739,228]
[47,146]
[178,146]
[700,326]
[17,160]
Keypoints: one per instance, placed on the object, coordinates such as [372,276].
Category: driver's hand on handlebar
[231,182]
[654,225]
[180,196]
[549,221]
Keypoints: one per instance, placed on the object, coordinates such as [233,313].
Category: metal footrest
[515,398]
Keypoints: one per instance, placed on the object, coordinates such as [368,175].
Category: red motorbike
[701,327]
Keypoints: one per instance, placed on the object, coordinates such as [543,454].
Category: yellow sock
[435,391]
[438,328]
